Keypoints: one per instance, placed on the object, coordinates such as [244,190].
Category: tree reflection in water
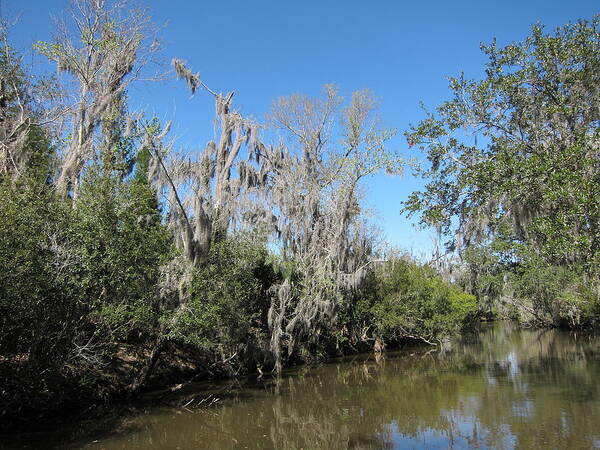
[500,388]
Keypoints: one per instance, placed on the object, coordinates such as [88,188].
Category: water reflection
[500,388]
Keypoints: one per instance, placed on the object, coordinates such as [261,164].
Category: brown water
[502,388]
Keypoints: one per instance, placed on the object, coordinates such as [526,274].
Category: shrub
[557,295]
[412,301]
[228,307]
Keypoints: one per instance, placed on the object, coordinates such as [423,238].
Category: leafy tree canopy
[516,154]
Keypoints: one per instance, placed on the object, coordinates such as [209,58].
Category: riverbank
[72,422]
[502,387]
[172,381]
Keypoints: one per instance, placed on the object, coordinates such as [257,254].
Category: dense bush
[227,310]
[415,301]
[555,296]
[403,299]
[511,281]
[40,316]
[120,245]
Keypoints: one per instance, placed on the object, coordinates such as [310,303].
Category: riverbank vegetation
[514,177]
[128,263]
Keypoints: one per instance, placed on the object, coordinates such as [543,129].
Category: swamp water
[499,388]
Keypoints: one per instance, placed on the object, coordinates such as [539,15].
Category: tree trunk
[148,368]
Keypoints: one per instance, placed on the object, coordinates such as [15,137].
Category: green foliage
[42,319]
[514,160]
[407,300]
[121,244]
[417,302]
[538,165]
[77,278]
[229,301]
[485,275]
[38,315]
[116,152]
[557,295]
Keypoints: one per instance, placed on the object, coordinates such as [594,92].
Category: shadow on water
[499,388]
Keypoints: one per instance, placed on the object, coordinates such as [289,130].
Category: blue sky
[404,51]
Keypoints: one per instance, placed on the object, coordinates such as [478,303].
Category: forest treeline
[128,263]
[514,177]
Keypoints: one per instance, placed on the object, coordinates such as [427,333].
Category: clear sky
[404,51]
